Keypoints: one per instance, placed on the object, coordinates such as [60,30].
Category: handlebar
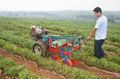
[82,38]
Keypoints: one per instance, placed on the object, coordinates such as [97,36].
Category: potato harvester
[62,45]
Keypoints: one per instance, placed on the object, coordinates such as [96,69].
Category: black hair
[98,9]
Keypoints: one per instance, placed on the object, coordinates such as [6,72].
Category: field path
[32,66]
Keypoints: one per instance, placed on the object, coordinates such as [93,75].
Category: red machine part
[55,49]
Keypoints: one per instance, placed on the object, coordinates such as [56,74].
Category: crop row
[110,63]
[16,39]
[87,57]
[23,42]
[78,28]
[10,68]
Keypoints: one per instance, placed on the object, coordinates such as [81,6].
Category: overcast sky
[45,5]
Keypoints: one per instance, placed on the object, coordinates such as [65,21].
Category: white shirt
[101,26]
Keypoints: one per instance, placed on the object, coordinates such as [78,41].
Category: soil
[2,76]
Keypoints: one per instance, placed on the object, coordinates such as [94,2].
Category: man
[100,31]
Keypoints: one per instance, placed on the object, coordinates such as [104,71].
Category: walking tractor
[61,45]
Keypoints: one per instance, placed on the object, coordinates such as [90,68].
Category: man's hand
[91,34]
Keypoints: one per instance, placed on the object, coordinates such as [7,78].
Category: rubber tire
[42,46]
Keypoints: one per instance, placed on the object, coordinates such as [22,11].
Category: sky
[52,5]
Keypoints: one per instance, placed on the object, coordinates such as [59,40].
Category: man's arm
[91,34]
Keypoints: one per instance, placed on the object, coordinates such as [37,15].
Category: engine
[37,31]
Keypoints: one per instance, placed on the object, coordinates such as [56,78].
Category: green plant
[17,71]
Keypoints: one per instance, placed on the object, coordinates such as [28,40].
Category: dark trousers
[99,53]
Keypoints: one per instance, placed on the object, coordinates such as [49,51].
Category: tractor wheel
[39,48]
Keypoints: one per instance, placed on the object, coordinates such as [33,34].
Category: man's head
[97,11]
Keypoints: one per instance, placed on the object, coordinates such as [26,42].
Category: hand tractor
[61,45]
